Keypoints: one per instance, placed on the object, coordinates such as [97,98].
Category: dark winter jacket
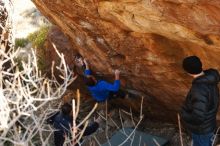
[63,123]
[200,108]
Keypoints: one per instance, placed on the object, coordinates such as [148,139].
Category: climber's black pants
[118,94]
[58,138]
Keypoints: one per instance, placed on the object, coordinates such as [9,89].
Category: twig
[180,130]
[88,115]
[213,142]
[97,140]
[74,121]
[106,126]
[155,141]
[130,133]
[78,102]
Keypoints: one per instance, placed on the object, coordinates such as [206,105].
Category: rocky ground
[116,119]
[157,128]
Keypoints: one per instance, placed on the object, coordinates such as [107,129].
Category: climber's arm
[87,71]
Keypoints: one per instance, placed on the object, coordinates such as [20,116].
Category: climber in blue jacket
[102,90]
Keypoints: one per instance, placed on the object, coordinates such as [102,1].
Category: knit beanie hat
[192,65]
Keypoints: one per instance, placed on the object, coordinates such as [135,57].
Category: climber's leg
[118,94]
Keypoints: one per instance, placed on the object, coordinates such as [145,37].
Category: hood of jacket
[210,76]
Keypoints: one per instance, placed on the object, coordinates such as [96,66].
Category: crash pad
[140,139]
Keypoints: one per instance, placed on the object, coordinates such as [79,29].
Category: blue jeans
[202,140]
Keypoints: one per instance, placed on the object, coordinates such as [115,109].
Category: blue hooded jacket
[100,92]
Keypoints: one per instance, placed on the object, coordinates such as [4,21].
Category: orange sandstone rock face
[145,39]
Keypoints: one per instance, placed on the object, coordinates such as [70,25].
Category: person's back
[62,124]
[205,92]
[199,111]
